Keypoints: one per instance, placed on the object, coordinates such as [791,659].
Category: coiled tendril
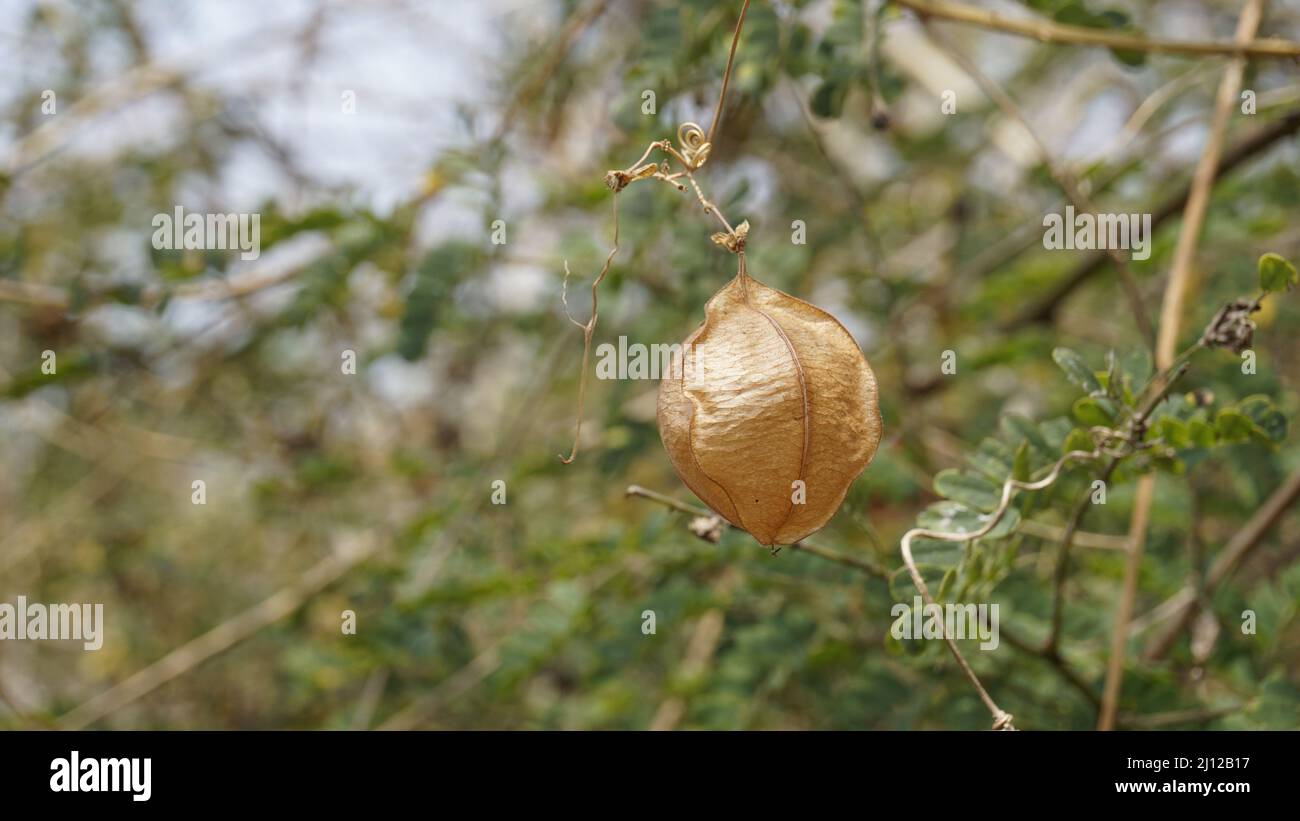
[694,145]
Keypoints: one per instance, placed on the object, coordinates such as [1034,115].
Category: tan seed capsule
[771,392]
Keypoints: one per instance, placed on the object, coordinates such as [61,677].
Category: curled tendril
[693,153]
[695,146]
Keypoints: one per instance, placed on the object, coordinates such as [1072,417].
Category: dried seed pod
[771,391]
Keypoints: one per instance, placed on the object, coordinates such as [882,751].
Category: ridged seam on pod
[772,391]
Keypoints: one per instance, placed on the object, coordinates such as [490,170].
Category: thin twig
[700,650]
[1002,720]
[1124,609]
[588,329]
[726,75]
[692,151]
[1201,715]
[1170,316]
[842,177]
[1060,572]
[563,44]
[1180,607]
[1082,538]
[371,694]
[457,684]
[1115,444]
[1057,662]
[830,554]
[1044,309]
[1155,392]
[1053,32]
[242,284]
[218,639]
[1062,175]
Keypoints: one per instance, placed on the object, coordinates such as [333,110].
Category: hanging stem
[726,75]
[588,329]
[692,151]
[1198,203]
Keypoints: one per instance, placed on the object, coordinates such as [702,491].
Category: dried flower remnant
[708,528]
[1232,327]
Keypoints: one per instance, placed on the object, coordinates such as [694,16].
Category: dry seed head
[776,391]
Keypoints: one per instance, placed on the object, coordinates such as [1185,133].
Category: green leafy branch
[1120,423]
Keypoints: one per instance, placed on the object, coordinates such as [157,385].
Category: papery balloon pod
[770,392]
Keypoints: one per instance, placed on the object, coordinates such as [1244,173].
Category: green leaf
[1200,432]
[937,553]
[901,586]
[970,489]
[1077,440]
[1077,371]
[1055,430]
[1233,425]
[1021,469]
[1270,422]
[951,517]
[1276,273]
[1028,431]
[1006,525]
[1173,432]
[1113,378]
[1130,57]
[945,587]
[993,459]
[1089,411]
[1136,365]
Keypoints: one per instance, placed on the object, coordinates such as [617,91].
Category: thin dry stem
[1115,444]
[1170,315]
[830,554]
[726,75]
[692,151]
[1155,391]
[588,329]
[220,638]
[1060,572]
[1052,533]
[1002,720]
[1053,32]
[1180,607]
[1064,177]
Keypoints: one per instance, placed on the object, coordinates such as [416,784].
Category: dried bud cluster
[1232,327]
[779,395]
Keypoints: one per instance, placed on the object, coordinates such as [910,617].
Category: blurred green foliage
[923,236]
